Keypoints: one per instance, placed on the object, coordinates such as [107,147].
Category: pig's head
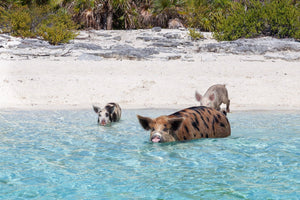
[205,100]
[104,115]
[162,128]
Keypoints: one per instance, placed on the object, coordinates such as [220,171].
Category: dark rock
[258,46]
[87,46]
[118,38]
[156,29]
[165,44]
[5,36]
[102,34]
[62,46]
[32,43]
[172,35]
[173,57]
[128,52]
[186,43]
[148,38]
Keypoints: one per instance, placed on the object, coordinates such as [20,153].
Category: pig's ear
[96,109]
[110,109]
[145,122]
[198,96]
[175,123]
[212,96]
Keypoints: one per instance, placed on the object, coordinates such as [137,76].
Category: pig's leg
[227,106]
[218,107]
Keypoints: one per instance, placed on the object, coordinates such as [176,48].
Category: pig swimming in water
[110,113]
[214,97]
[187,124]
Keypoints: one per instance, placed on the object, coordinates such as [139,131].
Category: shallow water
[66,155]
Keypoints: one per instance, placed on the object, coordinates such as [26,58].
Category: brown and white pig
[188,124]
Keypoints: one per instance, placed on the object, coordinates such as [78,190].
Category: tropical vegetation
[58,20]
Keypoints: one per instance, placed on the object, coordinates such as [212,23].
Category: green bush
[23,21]
[204,14]
[4,21]
[16,21]
[240,21]
[200,18]
[282,19]
[195,35]
[278,18]
[57,28]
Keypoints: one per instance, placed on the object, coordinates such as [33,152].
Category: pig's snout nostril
[103,122]
[156,137]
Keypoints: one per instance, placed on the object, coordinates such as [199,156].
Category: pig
[110,113]
[175,24]
[187,124]
[214,97]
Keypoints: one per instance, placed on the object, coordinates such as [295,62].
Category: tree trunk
[109,20]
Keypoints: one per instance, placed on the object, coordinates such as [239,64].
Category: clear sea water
[66,155]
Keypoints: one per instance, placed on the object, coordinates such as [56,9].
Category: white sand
[253,83]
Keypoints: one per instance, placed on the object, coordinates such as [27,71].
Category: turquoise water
[66,155]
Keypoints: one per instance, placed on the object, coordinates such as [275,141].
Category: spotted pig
[188,124]
[110,113]
[214,97]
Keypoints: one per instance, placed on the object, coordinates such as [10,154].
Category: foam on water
[66,155]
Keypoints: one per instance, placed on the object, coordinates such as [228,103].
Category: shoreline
[73,108]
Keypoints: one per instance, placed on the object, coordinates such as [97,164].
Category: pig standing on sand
[214,97]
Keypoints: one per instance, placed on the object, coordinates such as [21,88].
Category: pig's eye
[152,129]
[165,129]
[106,114]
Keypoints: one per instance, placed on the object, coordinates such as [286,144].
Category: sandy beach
[253,82]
